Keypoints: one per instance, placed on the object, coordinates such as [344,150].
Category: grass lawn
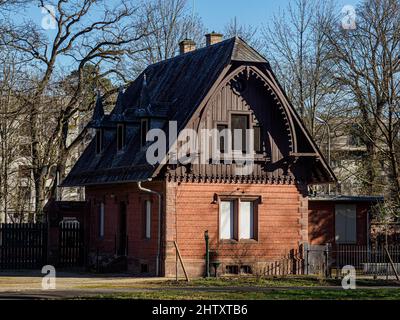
[290,281]
[277,294]
[251,288]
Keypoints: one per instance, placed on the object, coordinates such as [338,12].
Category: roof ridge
[190,52]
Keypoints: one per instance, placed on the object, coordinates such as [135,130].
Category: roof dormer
[98,113]
[118,112]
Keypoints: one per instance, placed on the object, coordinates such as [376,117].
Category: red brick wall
[321,222]
[190,211]
[140,250]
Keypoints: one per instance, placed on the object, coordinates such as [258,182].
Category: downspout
[368,229]
[159,195]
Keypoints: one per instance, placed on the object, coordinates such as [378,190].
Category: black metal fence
[366,259]
[23,246]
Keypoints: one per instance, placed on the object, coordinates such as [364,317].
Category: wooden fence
[71,245]
[23,246]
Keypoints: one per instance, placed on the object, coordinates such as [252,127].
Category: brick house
[138,210]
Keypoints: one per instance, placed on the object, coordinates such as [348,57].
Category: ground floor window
[227,220]
[101,220]
[147,219]
[237,219]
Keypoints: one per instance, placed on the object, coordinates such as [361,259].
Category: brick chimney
[186,46]
[213,38]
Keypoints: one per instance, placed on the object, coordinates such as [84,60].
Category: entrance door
[122,246]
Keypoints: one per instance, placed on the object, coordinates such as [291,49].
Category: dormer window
[258,147]
[121,132]
[99,140]
[239,125]
[144,128]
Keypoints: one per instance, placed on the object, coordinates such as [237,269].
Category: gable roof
[175,88]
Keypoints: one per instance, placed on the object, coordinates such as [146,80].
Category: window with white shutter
[246,218]
[227,220]
[238,219]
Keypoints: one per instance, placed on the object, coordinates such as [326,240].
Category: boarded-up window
[101,220]
[227,220]
[147,227]
[346,223]
[246,219]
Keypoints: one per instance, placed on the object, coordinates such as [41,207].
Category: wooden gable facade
[286,153]
[213,87]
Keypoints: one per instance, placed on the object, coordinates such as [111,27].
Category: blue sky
[217,13]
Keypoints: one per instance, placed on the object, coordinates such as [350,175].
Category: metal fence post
[206,238]
[327,265]
[306,251]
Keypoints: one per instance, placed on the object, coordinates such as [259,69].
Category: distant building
[20,202]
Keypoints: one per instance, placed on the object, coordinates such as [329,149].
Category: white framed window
[346,224]
[227,220]
[147,228]
[238,220]
[246,220]
[101,220]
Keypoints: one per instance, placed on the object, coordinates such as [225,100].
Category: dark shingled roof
[98,112]
[176,87]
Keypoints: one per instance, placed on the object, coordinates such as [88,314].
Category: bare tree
[247,32]
[297,48]
[172,21]
[12,114]
[367,67]
[87,32]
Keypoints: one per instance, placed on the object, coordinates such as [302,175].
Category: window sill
[249,241]
[234,241]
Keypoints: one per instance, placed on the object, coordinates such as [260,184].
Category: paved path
[22,285]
